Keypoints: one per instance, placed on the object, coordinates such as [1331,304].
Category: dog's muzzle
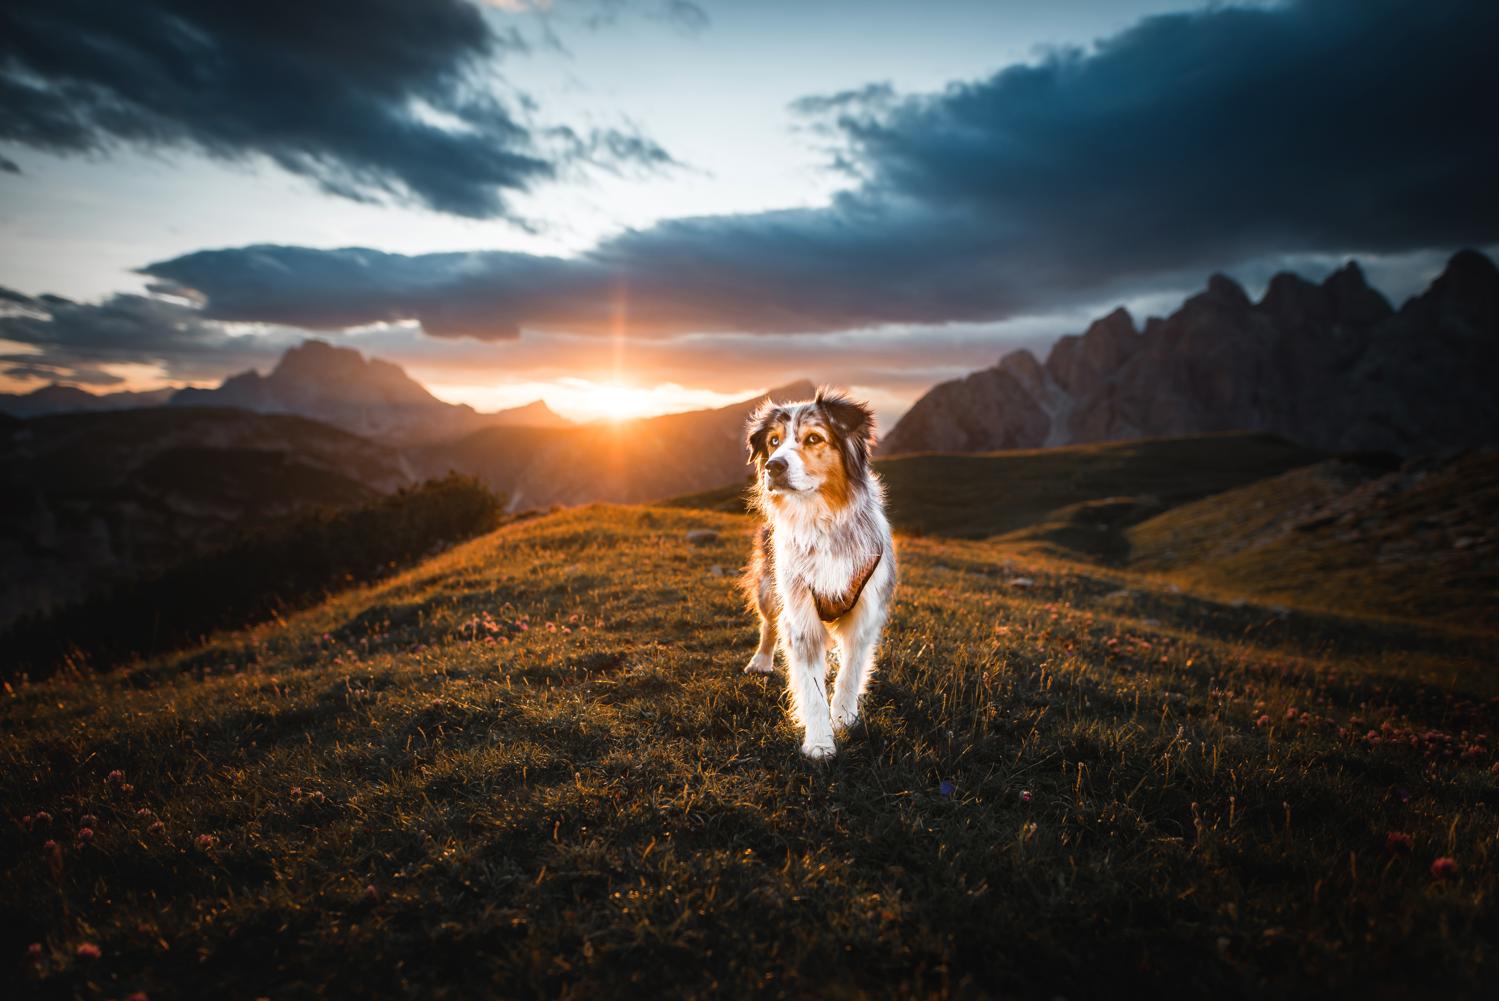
[776,469]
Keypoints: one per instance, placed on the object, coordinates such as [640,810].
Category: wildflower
[34,951]
[88,820]
[88,950]
[49,845]
[370,893]
[1398,841]
[1291,713]
[206,841]
[947,788]
[43,817]
[1264,720]
[126,788]
[157,827]
[144,811]
[115,776]
[1025,796]
[85,834]
[1444,867]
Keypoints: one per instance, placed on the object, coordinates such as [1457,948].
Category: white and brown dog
[823,569]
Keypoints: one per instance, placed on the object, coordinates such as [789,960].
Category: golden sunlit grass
[531,765]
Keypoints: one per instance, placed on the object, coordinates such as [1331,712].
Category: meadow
[530,766]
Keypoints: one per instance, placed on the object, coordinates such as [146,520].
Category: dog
[823,568]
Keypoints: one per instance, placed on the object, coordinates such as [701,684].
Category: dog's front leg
[804,643]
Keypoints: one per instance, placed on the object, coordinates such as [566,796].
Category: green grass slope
[973,496]
[532,766]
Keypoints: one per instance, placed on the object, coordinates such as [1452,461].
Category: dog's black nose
[776,466]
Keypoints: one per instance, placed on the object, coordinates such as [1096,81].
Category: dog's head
[814,449]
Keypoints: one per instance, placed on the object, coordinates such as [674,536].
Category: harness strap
[833,609]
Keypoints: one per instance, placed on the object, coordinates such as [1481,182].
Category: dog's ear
[758,429]
[854,424]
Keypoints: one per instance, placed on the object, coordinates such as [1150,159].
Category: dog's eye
[813,439]
[775,440]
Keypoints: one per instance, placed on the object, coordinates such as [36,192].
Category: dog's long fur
[825,531]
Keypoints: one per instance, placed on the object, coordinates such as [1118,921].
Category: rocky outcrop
[1330,365]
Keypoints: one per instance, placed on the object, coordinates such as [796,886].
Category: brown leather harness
[833,609]
[828,609]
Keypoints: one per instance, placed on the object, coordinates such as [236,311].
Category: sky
[633,207]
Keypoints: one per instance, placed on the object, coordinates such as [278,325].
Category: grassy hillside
[974,496]
[1420,541]
[261,575]
[531,766]
[94,499]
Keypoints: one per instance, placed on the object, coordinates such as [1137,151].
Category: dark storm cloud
[1188,143]
[341,91]
[71,341]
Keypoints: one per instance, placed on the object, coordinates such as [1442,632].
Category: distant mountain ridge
[634,461]
[61,398]
[1329,365]
[337,385]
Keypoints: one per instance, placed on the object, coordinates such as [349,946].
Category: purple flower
[947,787]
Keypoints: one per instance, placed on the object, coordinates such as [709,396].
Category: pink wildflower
[206,841]
[1025,796]
[88,950]
[34,951]
[1444,867]
[88,820]
[1264,720]
[157,827]
[1398,841]
[370,893]
[85,834]
[115,776]
[43,817]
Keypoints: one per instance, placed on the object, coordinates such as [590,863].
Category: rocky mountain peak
[1223,290]
[1467,290]
[1354,302]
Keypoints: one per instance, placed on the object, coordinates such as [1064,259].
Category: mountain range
[93,499]
[1328,365]
[335,385]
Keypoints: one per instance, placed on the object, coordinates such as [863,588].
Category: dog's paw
[820,749]
[761,663]
[845,716]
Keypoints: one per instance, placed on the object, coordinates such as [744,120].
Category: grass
[531,767]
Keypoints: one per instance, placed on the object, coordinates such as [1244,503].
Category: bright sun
[615,402]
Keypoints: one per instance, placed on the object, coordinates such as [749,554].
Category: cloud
[1187,143]
[374,100]
[76,342]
